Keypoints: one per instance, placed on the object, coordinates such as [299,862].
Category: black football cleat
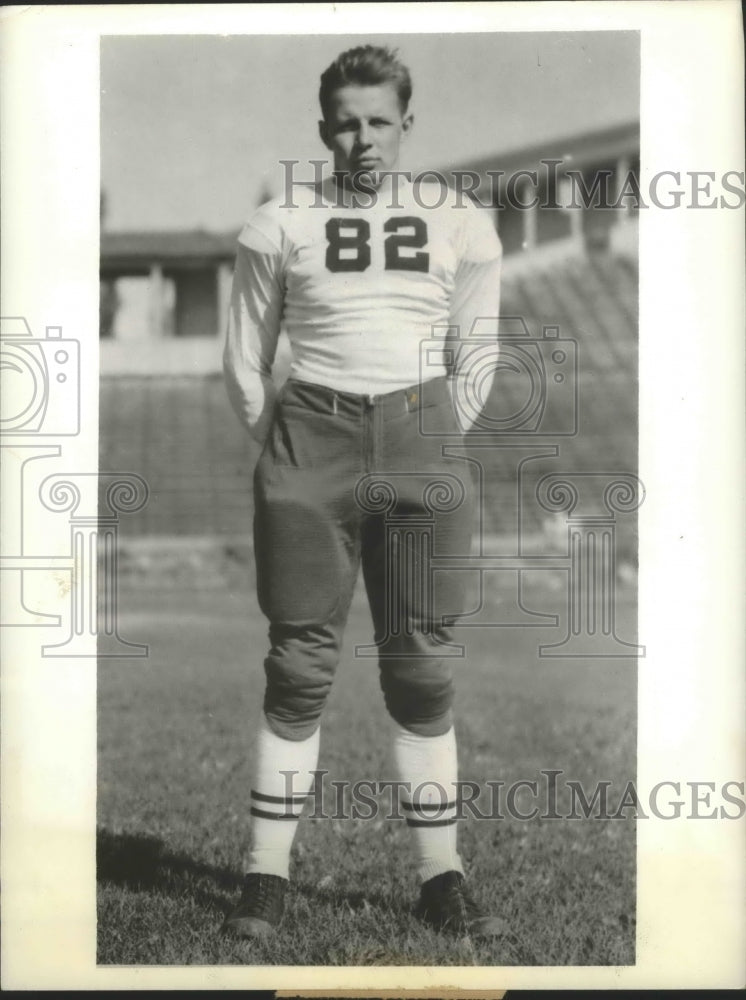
[446,905]
[259,909]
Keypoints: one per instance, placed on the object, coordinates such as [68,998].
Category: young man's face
[364,127]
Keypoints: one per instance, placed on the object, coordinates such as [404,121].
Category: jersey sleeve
[474,312]
[254,322]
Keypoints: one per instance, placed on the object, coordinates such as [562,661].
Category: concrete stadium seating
[182,437]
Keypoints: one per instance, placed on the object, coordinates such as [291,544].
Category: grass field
[175,737]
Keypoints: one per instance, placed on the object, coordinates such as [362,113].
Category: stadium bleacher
[180,435]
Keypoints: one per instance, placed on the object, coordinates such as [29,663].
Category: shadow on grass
[141,862]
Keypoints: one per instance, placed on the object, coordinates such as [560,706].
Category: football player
[359,272]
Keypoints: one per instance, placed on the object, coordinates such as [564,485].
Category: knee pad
[419,694]
[299,669]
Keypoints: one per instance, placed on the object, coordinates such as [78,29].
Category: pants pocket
[302,438]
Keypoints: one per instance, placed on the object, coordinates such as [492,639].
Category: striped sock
[428,765]
[277,799]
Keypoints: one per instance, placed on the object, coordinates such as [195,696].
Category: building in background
[164,297]
[582,175]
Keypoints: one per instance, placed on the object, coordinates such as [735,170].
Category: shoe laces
[470,908]
[261,892]
[460,895]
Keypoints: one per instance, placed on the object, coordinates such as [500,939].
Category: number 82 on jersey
[352,236]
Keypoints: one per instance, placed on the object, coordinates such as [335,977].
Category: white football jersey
[358,282]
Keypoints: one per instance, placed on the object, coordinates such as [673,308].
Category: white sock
[278,795]
[431,810]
